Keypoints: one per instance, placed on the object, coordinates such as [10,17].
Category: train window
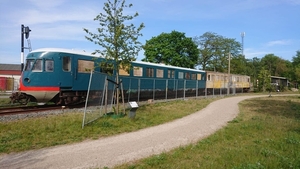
[67,63]
[85,66]
[37,65]
[150,72]
[123,72]
[187,75]
[193,76]
[29,64]
[180,75]
[137,71]
[159,73]
[208,77]
[171,74]
[107,68]
[49,65]
[199,76]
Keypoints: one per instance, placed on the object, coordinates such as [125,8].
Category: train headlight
[27,80]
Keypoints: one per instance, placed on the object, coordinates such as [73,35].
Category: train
[62,76]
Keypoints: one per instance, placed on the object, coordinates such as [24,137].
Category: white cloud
[278,42]
[294,2]
[47,4]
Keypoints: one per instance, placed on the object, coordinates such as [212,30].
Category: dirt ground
[115,150]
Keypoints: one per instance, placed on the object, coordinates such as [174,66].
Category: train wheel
[24,101]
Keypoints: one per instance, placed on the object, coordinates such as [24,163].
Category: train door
[82,71]
[67,73]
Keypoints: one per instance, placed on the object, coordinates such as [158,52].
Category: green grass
[265,135]
[35,133]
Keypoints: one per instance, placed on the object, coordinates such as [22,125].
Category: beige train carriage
[218,80]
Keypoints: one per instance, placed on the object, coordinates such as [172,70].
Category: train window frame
[66,64]
[187,75]
[123,72]
[38,65]
[199,76]
[49,65]
[29,64]
[149,72]
[85,66]
[138,71]
[208,77]
[180,75]
[171,73]
[160,73]
[193,76]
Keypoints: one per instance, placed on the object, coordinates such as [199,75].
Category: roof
[166,66]
[277,77]
[4,66]
[72,51]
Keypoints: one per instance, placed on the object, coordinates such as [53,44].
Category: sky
[270,26]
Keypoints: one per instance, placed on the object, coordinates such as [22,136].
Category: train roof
[82,52]
[166,66]
[72,51]
[222,73]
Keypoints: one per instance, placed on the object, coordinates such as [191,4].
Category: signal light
[26,31]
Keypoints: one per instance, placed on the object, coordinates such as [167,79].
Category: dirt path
[130,146]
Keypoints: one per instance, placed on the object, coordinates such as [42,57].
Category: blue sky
[271,26]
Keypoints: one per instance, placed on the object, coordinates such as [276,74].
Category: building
[9,76]
[279,82]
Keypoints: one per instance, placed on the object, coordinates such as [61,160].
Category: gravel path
[127,147]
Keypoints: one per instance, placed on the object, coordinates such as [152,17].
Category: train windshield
[34,65]
[29,64]
[37,65]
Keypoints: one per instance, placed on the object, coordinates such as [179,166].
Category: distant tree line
[211,52]
[117,38]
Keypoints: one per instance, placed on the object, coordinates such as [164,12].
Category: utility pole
[229,78]
[243,35]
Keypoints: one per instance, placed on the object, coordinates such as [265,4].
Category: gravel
[126,147]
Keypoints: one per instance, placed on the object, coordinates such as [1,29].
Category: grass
[266,134]
[36,133]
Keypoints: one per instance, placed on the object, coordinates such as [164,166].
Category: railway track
[28,109]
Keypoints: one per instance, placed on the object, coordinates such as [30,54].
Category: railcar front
[56,75]
[39,79]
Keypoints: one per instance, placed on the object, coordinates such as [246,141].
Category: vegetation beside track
[35,133]
[266,134]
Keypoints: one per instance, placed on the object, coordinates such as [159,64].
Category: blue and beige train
[62,76]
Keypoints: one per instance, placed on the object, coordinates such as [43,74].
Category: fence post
[197,88]
[167,89]
[129,90]
[184,83]
[176,88]
[153,89]
[139,88]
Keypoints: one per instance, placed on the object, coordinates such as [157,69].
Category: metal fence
[143,89]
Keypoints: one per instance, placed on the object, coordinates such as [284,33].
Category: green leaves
[173,49]
[116,36]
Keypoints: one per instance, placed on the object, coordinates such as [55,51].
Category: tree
[171,48]
[296,67]
[214,51]
[117,37]
[207,45]
[264,80]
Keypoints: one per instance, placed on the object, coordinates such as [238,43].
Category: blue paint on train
[67,73]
